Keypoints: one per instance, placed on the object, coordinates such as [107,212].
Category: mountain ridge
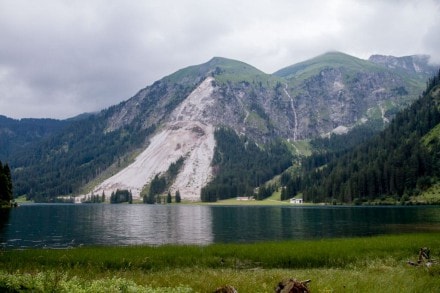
[329,59]
[413,63]
[321,99]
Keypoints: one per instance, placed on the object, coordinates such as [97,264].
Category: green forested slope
[398,162]
[63,163]
[16,135]
[241,165]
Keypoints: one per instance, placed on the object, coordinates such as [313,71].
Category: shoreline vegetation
[429,197]
[367,264]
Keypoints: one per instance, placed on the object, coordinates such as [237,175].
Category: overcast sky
[60,58]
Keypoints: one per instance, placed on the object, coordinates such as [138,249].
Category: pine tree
[2,184]
[150,198]
[3,188]
[178,199]
[5,183]
[169,197]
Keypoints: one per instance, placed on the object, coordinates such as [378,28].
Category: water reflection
[244,224]
[60,226]
[73,225]
[4,219]
[141,224]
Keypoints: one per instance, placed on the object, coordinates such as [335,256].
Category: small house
[296,200]
[245,198]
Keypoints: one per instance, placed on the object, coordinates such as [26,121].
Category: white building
[296,200]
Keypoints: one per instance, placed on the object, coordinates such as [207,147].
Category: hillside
[402,161]
[185,135]
[128,144]
[17,135]
[308,68]
[334,92]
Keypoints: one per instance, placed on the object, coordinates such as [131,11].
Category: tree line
[6,195]
[121,196]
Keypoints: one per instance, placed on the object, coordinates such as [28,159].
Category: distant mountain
[418,64]
[81,117]
[17,135]
[127,145]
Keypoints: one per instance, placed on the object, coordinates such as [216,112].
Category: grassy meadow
[369,264]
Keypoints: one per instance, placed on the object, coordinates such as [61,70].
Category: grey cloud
[62,58]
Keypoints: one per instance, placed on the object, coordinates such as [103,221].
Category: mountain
[418,64]
[333,92]
[402,161]
[129,144]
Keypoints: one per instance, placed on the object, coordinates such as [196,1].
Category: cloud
[60,58]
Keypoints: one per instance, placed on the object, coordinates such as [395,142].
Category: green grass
[21,199]
[429,196]
[432,137]
[254,120]
[236,72]
[306,69]
[350,265]
[302,147]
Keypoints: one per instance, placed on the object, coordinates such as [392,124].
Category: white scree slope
[187,134]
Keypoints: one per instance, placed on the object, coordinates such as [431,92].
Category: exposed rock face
[331,99]
[187,134]
[414,63]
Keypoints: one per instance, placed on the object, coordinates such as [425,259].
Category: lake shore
[364,264]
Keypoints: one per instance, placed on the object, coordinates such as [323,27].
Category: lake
[69,225]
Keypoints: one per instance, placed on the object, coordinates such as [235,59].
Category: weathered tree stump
[292,286]
[424,258]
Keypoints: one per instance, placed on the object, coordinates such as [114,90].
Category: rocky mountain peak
[414,63]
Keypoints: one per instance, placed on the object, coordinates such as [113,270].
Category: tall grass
[356,264]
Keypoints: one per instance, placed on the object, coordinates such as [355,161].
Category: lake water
[60,226]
